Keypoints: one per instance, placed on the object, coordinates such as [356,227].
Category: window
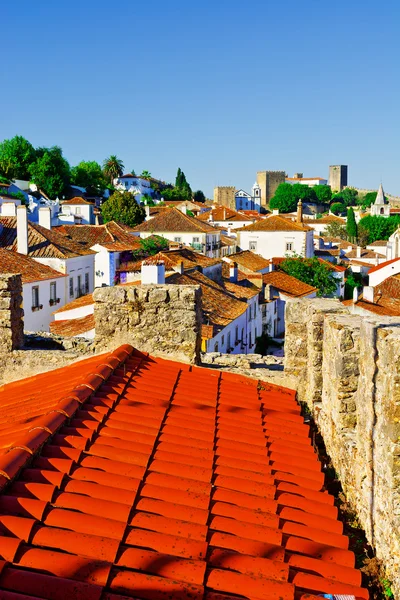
[236,334]
[255,310]
[253,246]
[78,210]
[53,291]
[79,285]
[249,313]
[250,344]
[35,297]
[222,340]
[86,283]
[196,240]
[71,287]
[289,246]
[216,347]
[177,239]
[228,342]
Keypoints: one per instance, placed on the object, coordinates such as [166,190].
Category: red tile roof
[136,477]
[223,213]
[112,235]
[77,200]
[275,223]
[287,284]
[249,260]
[73,327]
[173,220]
[77,303]
[383,265]
[42,242]
[31,270]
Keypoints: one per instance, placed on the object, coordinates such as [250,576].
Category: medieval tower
[337,177]
[268,182]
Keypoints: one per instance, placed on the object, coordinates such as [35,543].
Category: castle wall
[268,182]
[225,196]
[348,370]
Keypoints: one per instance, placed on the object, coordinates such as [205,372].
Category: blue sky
[219,88]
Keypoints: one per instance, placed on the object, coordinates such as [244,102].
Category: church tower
[380,208]
[256,197]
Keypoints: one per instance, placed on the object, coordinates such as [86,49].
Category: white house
[180,228]
[50,248]
[139,186]
[227,218]
[75,319]
[319,225]
[393,245]
[382,271]
[78,211]
[277,236]
[43,288]
[311,181]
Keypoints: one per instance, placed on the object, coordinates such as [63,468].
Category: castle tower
[256,197]
[225,196]
[268,182]
[337,177]
[380,208]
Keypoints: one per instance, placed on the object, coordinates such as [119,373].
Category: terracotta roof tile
[171,220]
[112,235]
[249,260]
[223,213]
[383,265]
[195,497]
[379,243]
[31,270]
[73,327]
[171,258]
[77,303]
[76,201]
[288,284]
[42,242]
[325,220]
[276,223]
[364,254]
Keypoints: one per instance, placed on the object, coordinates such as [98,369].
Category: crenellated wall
[348,370]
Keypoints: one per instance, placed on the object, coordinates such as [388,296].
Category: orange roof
[275,223]
[112,235]
[134,477]
[73,327]
[77,303]
[287,284]
[173,220]
[223,213]
[249,260]
[382,265]
[325,220]
[31,270]
[77,200]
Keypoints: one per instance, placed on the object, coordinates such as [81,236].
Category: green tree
[88,174]
[351,225]
[323,193]
[145,174]
[313,272]
[154,244]
[348,197]
[113,167]
[199,196]
[170,194]
[284,199]
[51,171]
[337,208]
[335,230]
[305,193]
[379,228]
[179,178]
[366,200]
[123,208]
[16,155]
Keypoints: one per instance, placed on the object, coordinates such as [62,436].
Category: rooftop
[325,220]
[384,264]
[31,270]
[171,220]
[172,258]
[77,303]
[112,235]
[287,284]
[223,213]
[275,223]
[133,477]
[76,201]
[249,260]
[73,327]
[42,242]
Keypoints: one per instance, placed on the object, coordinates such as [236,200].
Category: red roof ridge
[384,264]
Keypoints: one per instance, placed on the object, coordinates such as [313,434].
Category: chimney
[211,216]
[271,266]
[229,231]
[299,218]
[147,211]
[224,214]
[275,211]
[358,252]
[368,293]
[268,292]
[152,273]
[356,294]
[233,272]
[22,230]
[8,209]
[45,217]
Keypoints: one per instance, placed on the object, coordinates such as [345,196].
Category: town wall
[348,372]
[11,313]
[164,320]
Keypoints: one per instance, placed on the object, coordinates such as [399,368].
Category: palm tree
[113,167]
[145,174]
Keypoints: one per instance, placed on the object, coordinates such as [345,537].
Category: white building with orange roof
[75,319]
[76,211]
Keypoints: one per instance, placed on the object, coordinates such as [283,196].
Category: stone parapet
[164,320]
[11,313]
[348,370]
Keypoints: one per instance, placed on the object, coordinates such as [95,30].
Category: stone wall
[225,196]
[164,320]
[348,370]
[268,182]
[11,313]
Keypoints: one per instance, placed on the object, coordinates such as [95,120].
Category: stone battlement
[348,370]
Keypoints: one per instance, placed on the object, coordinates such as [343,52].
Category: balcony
[197,246]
